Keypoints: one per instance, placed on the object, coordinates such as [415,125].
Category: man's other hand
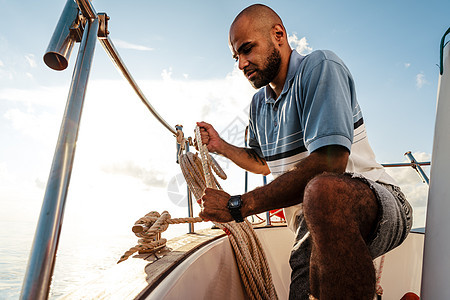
[215,206]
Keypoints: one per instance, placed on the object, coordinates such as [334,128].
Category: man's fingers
[201,215]
[203,134]
[204,125]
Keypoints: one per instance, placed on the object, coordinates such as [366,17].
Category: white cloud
[420,80]
[166,74]
[37,126]
[2,64]
[3,172]
[126,45]
[301,45]
[42,96]
[31,60]
[149,176]
[407,65]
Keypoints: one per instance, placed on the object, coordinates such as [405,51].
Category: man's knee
[332,199]
[321,194]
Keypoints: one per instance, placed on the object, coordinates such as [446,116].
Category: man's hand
[210,137]
[214,206]
[245,158]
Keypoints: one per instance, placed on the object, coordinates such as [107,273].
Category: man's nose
[243,62]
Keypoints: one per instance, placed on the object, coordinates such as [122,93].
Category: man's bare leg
[341,213]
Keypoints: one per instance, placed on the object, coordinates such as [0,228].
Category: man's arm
[286,190]
[245,158]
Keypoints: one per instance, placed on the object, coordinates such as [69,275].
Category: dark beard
[270,70]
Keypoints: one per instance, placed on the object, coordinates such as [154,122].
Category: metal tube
[42,258]
[87,9]
[425,163]
[62,41]
[190,203]
[416,166]
[268,221]
[114,55]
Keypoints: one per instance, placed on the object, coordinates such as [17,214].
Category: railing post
[43,253]
[268,221]
[190,203]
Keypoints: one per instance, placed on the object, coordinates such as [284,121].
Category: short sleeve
[253,142]
[327,117]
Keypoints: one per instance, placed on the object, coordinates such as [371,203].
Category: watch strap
[235,211]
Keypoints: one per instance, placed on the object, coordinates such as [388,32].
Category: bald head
[258,41]
[261,17]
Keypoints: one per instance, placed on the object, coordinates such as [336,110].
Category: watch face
[234,202]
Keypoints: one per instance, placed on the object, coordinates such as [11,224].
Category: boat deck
[142,272]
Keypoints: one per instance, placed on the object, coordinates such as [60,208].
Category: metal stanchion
[42,258]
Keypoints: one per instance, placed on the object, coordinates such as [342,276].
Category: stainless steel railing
[42,258]
[114,55]
[417,166]
[79,22]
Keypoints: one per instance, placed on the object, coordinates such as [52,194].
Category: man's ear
[279,34]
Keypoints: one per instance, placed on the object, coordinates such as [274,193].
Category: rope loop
[250,257]
[149,229]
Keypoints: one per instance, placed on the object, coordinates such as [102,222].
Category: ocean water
[85,250]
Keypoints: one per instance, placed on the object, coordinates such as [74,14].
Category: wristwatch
[234,205]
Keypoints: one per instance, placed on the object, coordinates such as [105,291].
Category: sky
[178,53]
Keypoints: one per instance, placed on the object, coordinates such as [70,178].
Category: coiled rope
[249,254]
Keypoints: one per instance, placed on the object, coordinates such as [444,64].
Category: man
[306,128]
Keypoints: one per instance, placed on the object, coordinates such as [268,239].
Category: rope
[149,229]
[251,260]
[250,257]
[379,289]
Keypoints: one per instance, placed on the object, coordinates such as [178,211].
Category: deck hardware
[63,38]
[103,26]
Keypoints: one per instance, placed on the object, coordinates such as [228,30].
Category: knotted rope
[149,229]
[250,257]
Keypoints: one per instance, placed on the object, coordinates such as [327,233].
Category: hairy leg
[341,214]
[314,279]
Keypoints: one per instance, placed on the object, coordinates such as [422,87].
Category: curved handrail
[441,50]
[89,11]
[115,57]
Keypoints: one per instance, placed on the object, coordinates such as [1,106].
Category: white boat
[201,265]
[206,269]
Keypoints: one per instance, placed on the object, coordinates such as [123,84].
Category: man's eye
[246,50]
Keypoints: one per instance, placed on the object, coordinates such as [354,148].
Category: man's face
[255,52]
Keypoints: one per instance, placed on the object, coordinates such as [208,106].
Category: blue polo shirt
[317,108]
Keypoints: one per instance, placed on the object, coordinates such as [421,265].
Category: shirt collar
[294,63]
